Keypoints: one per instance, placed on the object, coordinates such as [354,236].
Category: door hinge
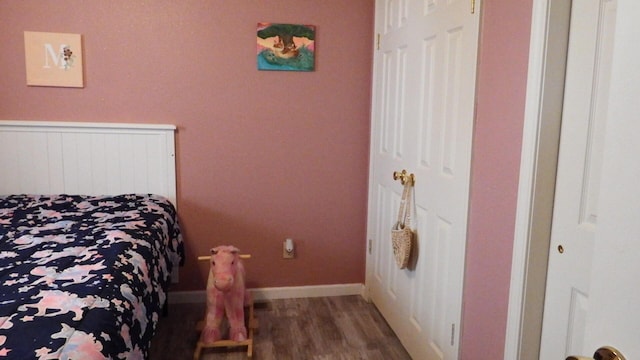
[453,333]
[370,246]
[378,42]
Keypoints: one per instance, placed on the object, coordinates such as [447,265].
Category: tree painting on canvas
[288,47]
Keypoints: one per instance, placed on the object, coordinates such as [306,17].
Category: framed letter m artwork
[53,59]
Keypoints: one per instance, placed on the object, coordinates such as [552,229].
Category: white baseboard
[263,294]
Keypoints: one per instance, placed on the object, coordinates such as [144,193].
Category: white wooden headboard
[38,157]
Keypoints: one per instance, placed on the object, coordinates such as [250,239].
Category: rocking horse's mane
[224,248]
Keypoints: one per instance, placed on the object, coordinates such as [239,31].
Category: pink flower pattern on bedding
[84,277]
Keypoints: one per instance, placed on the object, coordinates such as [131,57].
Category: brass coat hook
[404,177]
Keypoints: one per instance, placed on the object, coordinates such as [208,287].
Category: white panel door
[575,217]
[422,121]
[592,288]
[614,316]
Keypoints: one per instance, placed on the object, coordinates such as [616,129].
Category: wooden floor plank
[323,328]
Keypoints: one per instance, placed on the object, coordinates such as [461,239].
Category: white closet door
[422,121]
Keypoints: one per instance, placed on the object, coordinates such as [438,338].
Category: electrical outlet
[288,250]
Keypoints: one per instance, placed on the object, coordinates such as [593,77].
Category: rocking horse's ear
[214,251]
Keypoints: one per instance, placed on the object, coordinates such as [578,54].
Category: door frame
[536,187]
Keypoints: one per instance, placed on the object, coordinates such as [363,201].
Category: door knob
[404,177]
[604,353]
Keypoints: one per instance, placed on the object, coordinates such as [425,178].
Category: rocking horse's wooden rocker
[226,295]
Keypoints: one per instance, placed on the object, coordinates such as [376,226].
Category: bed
[84,275]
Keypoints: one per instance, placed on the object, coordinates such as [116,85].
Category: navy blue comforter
[84,277]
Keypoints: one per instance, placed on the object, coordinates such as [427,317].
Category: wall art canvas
[53,59]
[287,47]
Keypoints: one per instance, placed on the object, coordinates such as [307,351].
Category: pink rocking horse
[226,294]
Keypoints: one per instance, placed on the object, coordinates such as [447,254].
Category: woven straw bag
[401,233]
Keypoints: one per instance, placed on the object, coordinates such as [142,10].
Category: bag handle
[404,213]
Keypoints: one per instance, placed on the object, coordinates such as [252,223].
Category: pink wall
[261,155]
[502,74]
[267,155]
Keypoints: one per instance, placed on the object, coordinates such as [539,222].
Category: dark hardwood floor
[325,328]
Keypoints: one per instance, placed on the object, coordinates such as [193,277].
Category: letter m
[50,54]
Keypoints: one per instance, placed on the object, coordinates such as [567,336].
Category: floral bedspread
[84,277]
